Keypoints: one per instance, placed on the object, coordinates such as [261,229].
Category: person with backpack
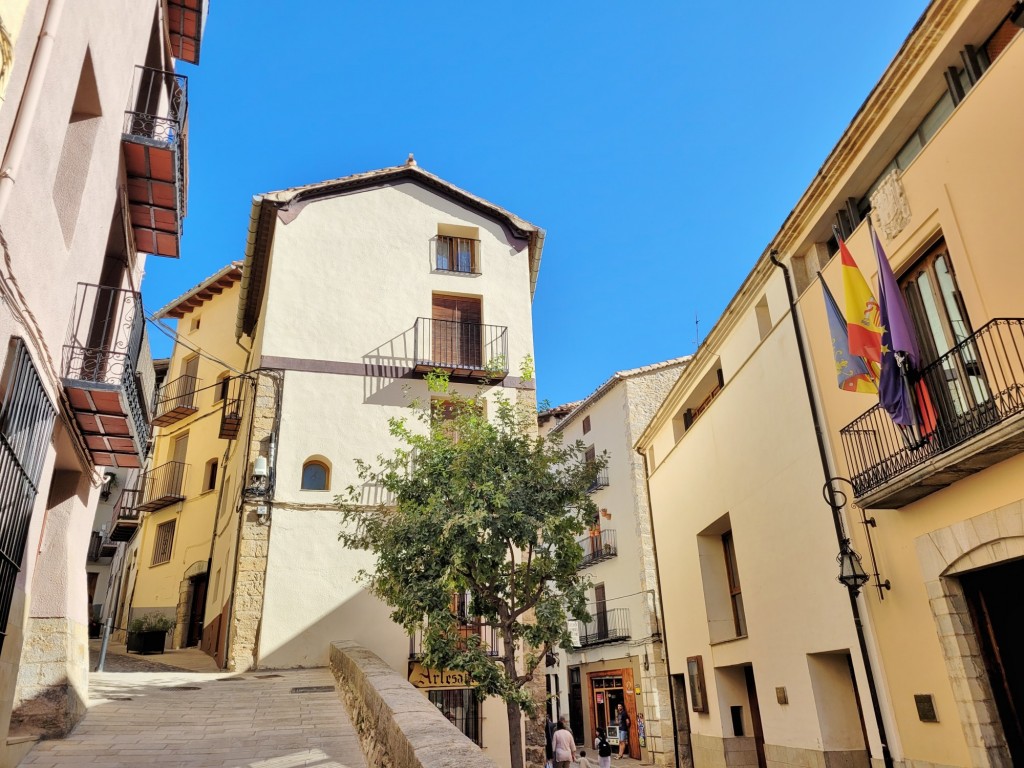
[604,750]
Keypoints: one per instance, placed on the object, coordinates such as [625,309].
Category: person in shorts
[623,720]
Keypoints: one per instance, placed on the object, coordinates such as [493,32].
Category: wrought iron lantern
[851,572]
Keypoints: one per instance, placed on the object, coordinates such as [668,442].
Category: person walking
[564,746]
[623,720]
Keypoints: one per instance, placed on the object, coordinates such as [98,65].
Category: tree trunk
[515,734]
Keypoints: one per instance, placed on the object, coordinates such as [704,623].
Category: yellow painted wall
[158,586]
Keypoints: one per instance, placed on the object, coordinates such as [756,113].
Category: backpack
[604,749]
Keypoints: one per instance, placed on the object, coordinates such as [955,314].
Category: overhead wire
[179,339]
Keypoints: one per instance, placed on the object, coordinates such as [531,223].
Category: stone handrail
[397,726]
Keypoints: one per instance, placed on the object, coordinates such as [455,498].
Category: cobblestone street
[176,719]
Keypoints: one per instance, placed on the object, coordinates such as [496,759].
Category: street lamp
[851,573]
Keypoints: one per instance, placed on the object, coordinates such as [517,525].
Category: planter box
[150,641]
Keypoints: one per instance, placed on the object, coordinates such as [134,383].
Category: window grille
[26,424]
[164,542]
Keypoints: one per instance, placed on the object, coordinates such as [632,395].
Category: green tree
[487,508]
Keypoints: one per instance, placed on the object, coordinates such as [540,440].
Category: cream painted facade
[67,71]
[336,275]
[624,640]
[935,155]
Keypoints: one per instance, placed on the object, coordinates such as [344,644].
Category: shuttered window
[26,423]
[456,331]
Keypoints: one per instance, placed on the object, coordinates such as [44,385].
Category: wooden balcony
[976,392]
[154,144]
[177,399]
[125,521]
[185,20]
[462,350]
[99,374]
[163,486]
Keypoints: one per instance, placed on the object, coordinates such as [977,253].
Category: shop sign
[438,679]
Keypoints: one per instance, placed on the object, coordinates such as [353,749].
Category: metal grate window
[164,542]
[26,424]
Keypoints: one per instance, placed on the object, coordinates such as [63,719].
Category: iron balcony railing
[103,344]
[598,546]
[487,633]
[157,106]
[457,254]
[176,400]
[125,519]
[237,393]
[461,348]
[95,545]
[975,386]
[601,481]
[163,486]
[605,626]
[156,116]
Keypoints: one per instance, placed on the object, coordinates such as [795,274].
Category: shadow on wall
[388,369]
[362,618]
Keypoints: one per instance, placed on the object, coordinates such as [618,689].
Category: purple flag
[900,353]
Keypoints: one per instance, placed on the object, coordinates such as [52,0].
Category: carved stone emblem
[889,205]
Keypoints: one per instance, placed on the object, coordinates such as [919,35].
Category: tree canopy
[480,506]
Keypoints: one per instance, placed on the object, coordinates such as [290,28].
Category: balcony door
[456,331]
[187,396]
[601,612]
[958,384]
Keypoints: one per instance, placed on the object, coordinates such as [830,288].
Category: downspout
[836,520]
[29,101]
[664,628]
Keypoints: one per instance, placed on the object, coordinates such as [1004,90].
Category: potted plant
[148,634]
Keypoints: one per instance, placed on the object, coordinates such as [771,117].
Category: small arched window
[316,476]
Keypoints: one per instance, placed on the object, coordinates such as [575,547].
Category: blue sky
[660,144]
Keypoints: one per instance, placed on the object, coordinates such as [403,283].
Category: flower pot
[148,641]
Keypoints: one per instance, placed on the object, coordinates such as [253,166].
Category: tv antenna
[696,330]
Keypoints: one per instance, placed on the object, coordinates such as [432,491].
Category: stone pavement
[196,720]
[181,660]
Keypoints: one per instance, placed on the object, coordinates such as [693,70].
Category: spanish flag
[863,319]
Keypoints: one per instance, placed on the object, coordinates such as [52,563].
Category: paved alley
[262,719]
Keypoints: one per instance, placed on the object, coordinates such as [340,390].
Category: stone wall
[254,538]
[53,677]
[397,726]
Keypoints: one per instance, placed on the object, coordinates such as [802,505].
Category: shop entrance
[608,689]
[993,597]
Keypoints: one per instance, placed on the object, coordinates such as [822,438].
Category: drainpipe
[664,628]
[29,101]
[836,520]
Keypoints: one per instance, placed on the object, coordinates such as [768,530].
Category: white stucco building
[93,118]
[353,289]
[618,656]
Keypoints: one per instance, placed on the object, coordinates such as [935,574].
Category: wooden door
[456,332]
[174,474]
[601,611]
[197,607]
[755,717]
[188,389]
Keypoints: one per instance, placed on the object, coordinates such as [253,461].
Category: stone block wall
[397,726]
[254,538]
[53,677]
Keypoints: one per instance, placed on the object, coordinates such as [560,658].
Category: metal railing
[95,546]
[180,393]
[598,546]
[487,633]
[978,384]
[157,106]
[127,505]
[103,344]
[605,626]
[601,481]
[156,115]
[457,254]
[238,394]
[26,426]
[165,483]
[448,344]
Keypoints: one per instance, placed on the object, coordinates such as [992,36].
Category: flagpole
[837,520]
